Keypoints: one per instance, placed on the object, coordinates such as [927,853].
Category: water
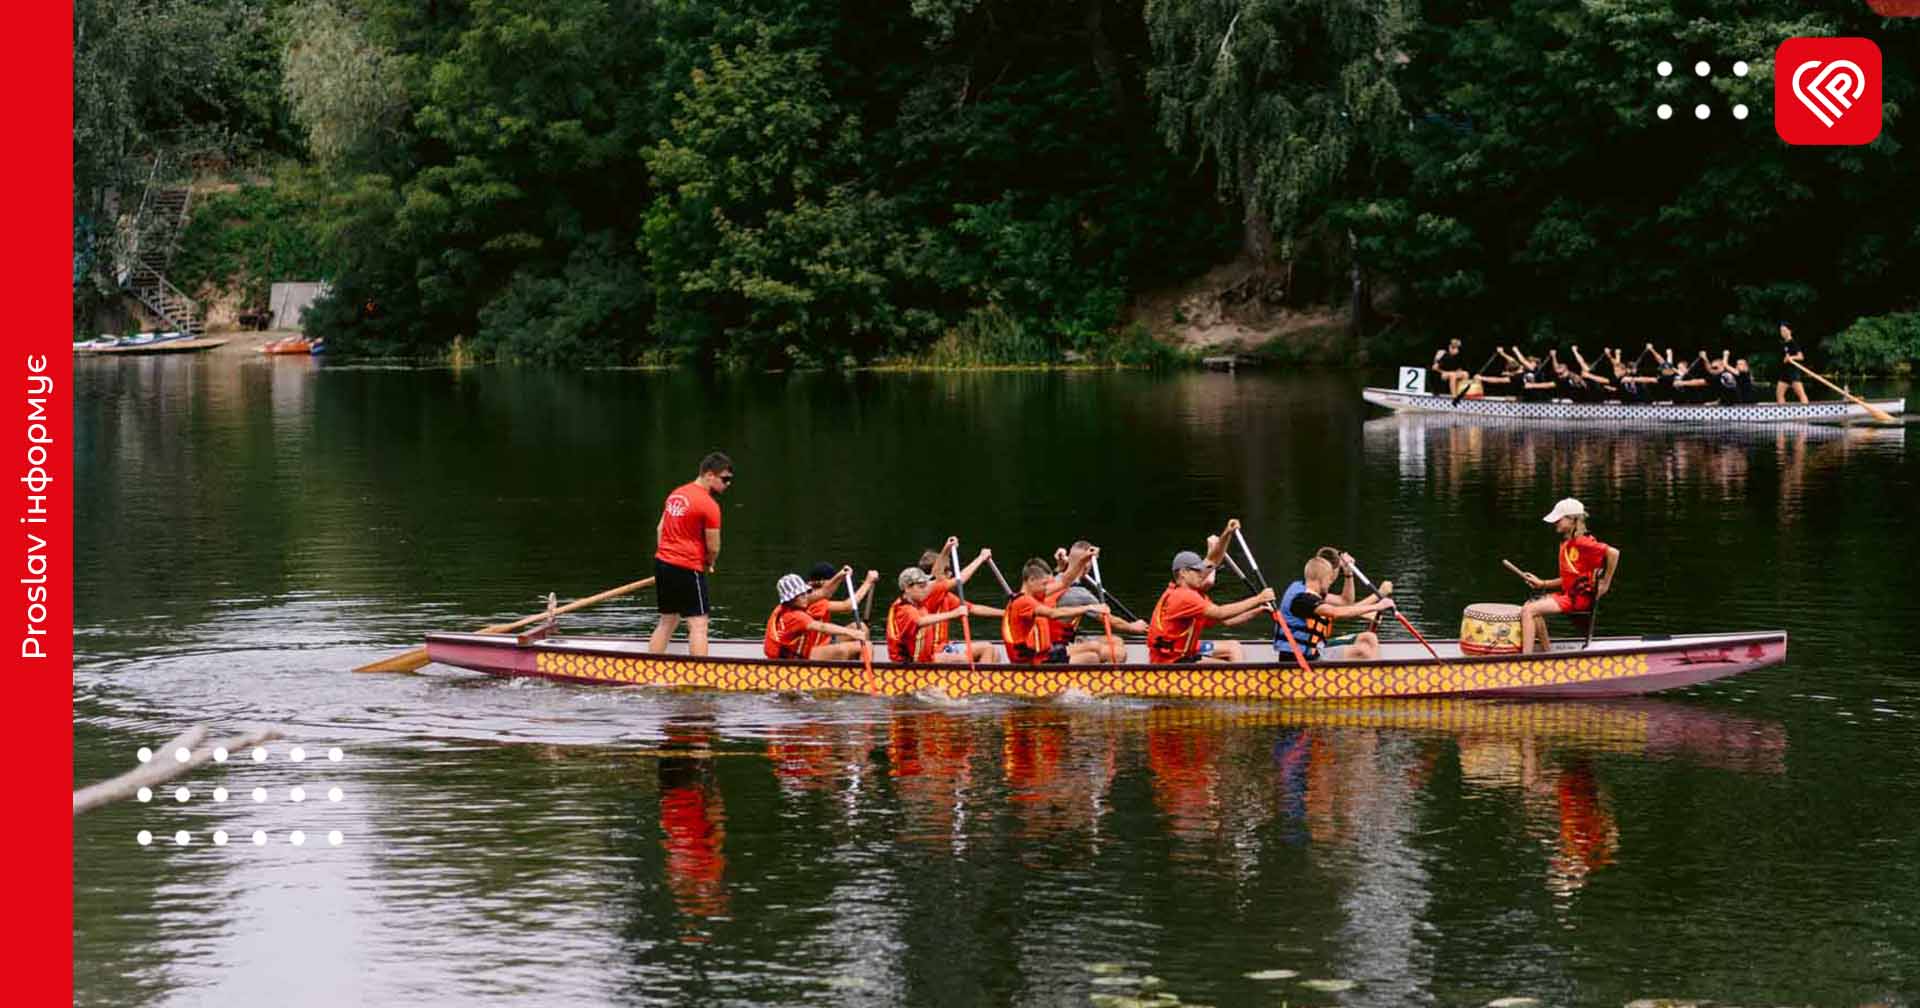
[249,530]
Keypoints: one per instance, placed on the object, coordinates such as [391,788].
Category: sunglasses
[727,479]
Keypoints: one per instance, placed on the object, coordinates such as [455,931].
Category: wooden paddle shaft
[413,658]
[1876,412]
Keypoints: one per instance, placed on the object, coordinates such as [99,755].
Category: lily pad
[1272,974]
[1327,985]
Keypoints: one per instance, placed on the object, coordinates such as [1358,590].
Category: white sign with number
[1413,379]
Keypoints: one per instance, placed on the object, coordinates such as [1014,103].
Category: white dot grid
[220,837]
[1703,69]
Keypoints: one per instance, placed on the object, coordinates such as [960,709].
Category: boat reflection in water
[1227,787]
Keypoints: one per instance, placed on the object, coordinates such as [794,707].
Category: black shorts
[680,591]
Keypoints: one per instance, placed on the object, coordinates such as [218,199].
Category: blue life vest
[1309,634]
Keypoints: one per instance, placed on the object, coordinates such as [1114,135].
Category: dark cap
[822,571]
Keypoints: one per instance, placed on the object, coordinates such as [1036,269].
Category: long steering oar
[1397,614]
[1877,413]
[408,661]
[1273,610]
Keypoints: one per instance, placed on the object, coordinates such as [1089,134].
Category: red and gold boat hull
[1611,667]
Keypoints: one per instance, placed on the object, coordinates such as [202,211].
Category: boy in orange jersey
[1185,611]
[911,624]
[1025,626]
[793,631]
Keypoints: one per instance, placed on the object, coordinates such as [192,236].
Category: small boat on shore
[1632,414]
[1609,667]
[288,345]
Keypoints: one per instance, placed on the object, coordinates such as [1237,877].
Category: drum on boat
[1490,628]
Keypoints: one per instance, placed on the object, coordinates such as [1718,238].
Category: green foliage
[1882,345]
[594,311]
[257,234]
[343,88]
[1278,95]
[805,183]
[1536,195]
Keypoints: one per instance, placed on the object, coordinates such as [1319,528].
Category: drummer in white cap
[1586,573]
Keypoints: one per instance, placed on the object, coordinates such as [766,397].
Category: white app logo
[1832,91]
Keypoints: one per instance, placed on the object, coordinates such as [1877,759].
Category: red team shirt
[684,520]
[1178,620]
[1581,561]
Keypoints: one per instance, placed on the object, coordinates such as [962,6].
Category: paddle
[1361,576]
[1465,385]
[1002,578]
[1106,618]
[866,637]
[407,661]
[1876,412]
[1272,609]
[1100,585]
[966,618]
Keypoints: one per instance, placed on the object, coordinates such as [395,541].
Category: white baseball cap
[1567,508]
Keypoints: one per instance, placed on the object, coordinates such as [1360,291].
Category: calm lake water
[248,530]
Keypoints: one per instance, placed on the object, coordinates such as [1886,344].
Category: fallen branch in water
[165,766]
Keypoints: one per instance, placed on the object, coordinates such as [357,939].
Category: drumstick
[1517,572]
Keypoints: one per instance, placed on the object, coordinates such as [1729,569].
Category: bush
[1881,345]
[251,236]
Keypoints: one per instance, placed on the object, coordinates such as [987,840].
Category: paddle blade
[406,661]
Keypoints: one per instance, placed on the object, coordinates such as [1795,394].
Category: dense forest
[809,182]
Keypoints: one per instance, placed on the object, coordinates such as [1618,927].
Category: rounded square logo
[1826,91]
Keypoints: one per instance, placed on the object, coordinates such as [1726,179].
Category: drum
[1490,628]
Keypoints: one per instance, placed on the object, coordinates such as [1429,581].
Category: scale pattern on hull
[1196,681]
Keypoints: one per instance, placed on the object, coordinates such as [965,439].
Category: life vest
[1308,633]
[1169,644]
[782,642]
[1029,639]
[900,639]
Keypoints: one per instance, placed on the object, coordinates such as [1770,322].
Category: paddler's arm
[1244,607]
[833,587]
[854,631]
[1350,611]
[713,545]
[1068,612]
[866,587]
[982,610]
[943,564]
[973,567]
[1076,566]
[1606,579]
[1217,545]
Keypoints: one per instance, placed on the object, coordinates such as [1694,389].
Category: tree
[344,89]
[1278,94]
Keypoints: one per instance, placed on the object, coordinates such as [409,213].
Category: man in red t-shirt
[689,542]
[1586,574]
[1184,612]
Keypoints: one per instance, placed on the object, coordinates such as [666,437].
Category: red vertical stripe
[36,373]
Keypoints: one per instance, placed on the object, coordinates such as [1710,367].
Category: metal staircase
[156,233]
